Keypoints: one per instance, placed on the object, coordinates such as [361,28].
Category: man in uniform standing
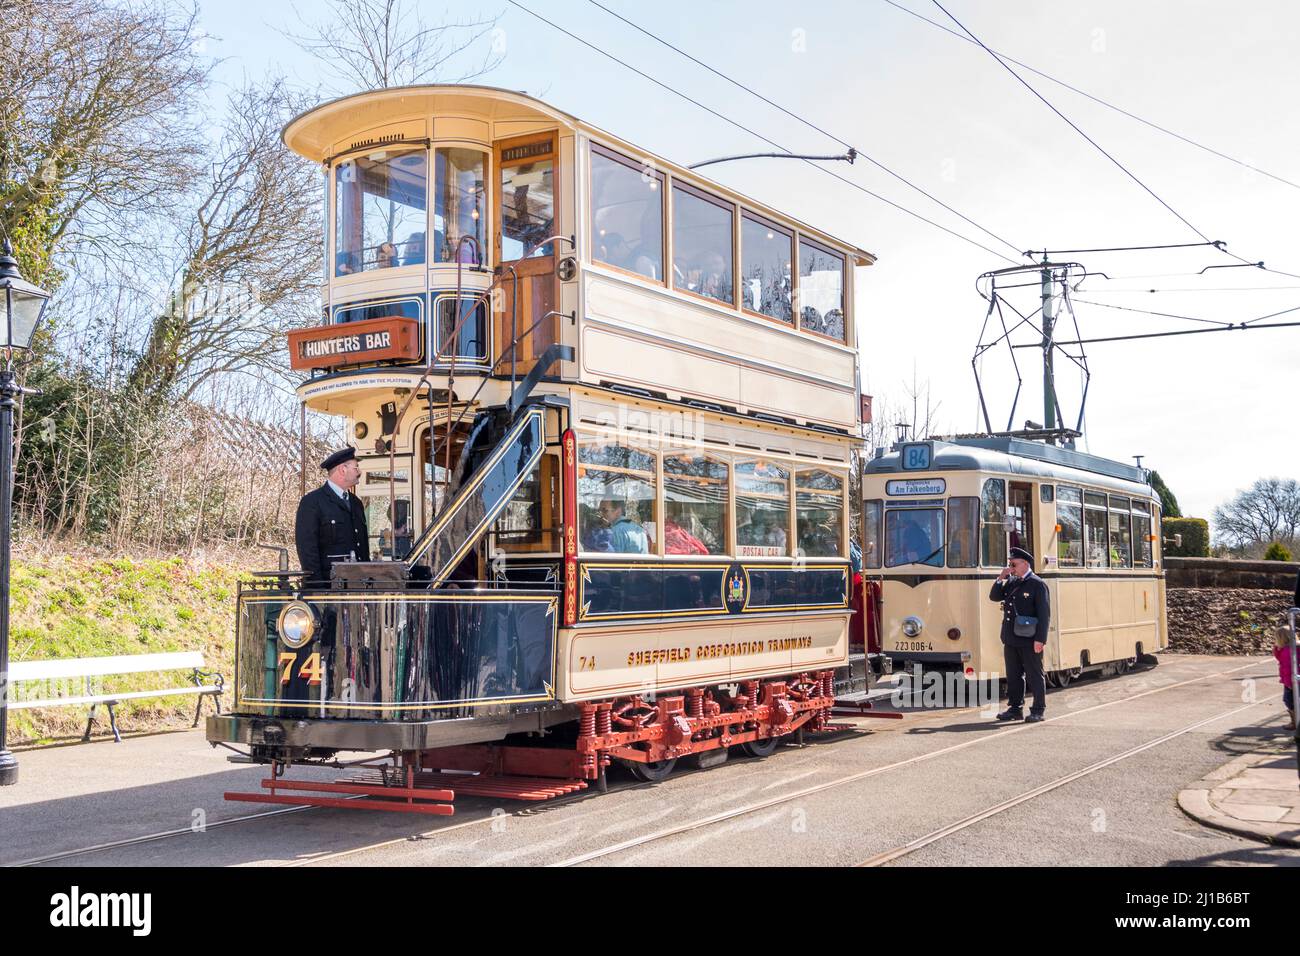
[331,522]
[1026,615]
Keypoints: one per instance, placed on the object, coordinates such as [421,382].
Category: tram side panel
[611,661]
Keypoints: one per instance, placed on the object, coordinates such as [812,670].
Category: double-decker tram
[939,517]
[604,411]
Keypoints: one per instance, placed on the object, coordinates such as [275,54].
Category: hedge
[1196,537]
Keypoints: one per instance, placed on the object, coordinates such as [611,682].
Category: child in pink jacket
[1282,651]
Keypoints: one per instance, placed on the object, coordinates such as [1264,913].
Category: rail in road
[612,852]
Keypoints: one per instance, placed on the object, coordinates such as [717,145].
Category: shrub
[1277,551]
[1196,537]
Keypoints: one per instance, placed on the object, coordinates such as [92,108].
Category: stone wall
[1225,620]
[1230,573]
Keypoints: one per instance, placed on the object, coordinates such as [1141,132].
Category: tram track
[703,822]
[152,837]
[934,836]
[736,812]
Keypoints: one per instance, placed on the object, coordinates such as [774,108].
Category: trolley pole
[1049,382]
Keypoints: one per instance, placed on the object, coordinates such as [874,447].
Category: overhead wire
[1097,146]
[1098,100]
[738,125]
[801,119]
[1222,247]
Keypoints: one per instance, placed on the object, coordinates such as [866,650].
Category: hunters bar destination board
[352,343]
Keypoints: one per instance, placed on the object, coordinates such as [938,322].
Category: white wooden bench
[201,682]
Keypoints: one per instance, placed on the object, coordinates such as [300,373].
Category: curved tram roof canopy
[366,119]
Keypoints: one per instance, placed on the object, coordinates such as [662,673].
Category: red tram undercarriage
[647,736]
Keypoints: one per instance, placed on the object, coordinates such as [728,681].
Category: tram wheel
[1053,678]
[761,748]
[1063,678]
[653,772]
[1124,666]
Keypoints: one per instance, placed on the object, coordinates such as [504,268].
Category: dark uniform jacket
[1020,597]
[329,529]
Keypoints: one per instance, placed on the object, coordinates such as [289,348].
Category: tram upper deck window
[821,290]
[616,498]
[914,536]
[1120,538]
[762,509]
[766,285]
[627,214]
[1141,534]
[696,489]
[993,531]
[702,245]
[527,201]
[1069,518]
[871,514]
[459,205]
[1094,530]
[819,512]
[963,520]
[379,211]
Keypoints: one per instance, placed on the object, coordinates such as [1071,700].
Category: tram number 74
[310,670]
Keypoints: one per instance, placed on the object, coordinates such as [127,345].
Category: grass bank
[84,605]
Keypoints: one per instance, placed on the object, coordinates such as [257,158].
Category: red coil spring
[695,703]
[587,721]
[603,722]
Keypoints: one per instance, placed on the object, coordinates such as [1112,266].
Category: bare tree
[375,44]
[96,123]
[250,257]
[1269,510]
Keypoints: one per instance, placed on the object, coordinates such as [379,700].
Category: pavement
[1255,795]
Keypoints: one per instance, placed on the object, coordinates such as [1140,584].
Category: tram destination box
[352,343]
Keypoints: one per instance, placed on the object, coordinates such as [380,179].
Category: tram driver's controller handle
[1006,573]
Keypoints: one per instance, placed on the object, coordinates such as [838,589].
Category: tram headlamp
[912,626]
[296,624]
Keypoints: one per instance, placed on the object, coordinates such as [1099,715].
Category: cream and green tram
[604,410]
[939,517]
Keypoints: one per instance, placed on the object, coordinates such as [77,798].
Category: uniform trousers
[1024,669]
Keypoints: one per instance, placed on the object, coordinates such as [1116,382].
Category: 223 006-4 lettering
[915,646]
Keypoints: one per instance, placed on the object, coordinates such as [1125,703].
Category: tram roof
[1020,457]
[314,134]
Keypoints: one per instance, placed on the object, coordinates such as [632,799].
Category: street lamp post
[23,304]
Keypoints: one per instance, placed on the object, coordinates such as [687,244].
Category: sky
[1208,411]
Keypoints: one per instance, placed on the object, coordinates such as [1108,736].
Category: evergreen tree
[1168,503]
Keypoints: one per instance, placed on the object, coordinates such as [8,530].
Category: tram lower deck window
[695,504]
[616,498]
[914,536]
[819,512]
[762,509]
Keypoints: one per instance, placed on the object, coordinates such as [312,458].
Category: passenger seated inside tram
[627,535]
[346,264]
[614,249]
[678,540]
[414,248]
[385,256]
